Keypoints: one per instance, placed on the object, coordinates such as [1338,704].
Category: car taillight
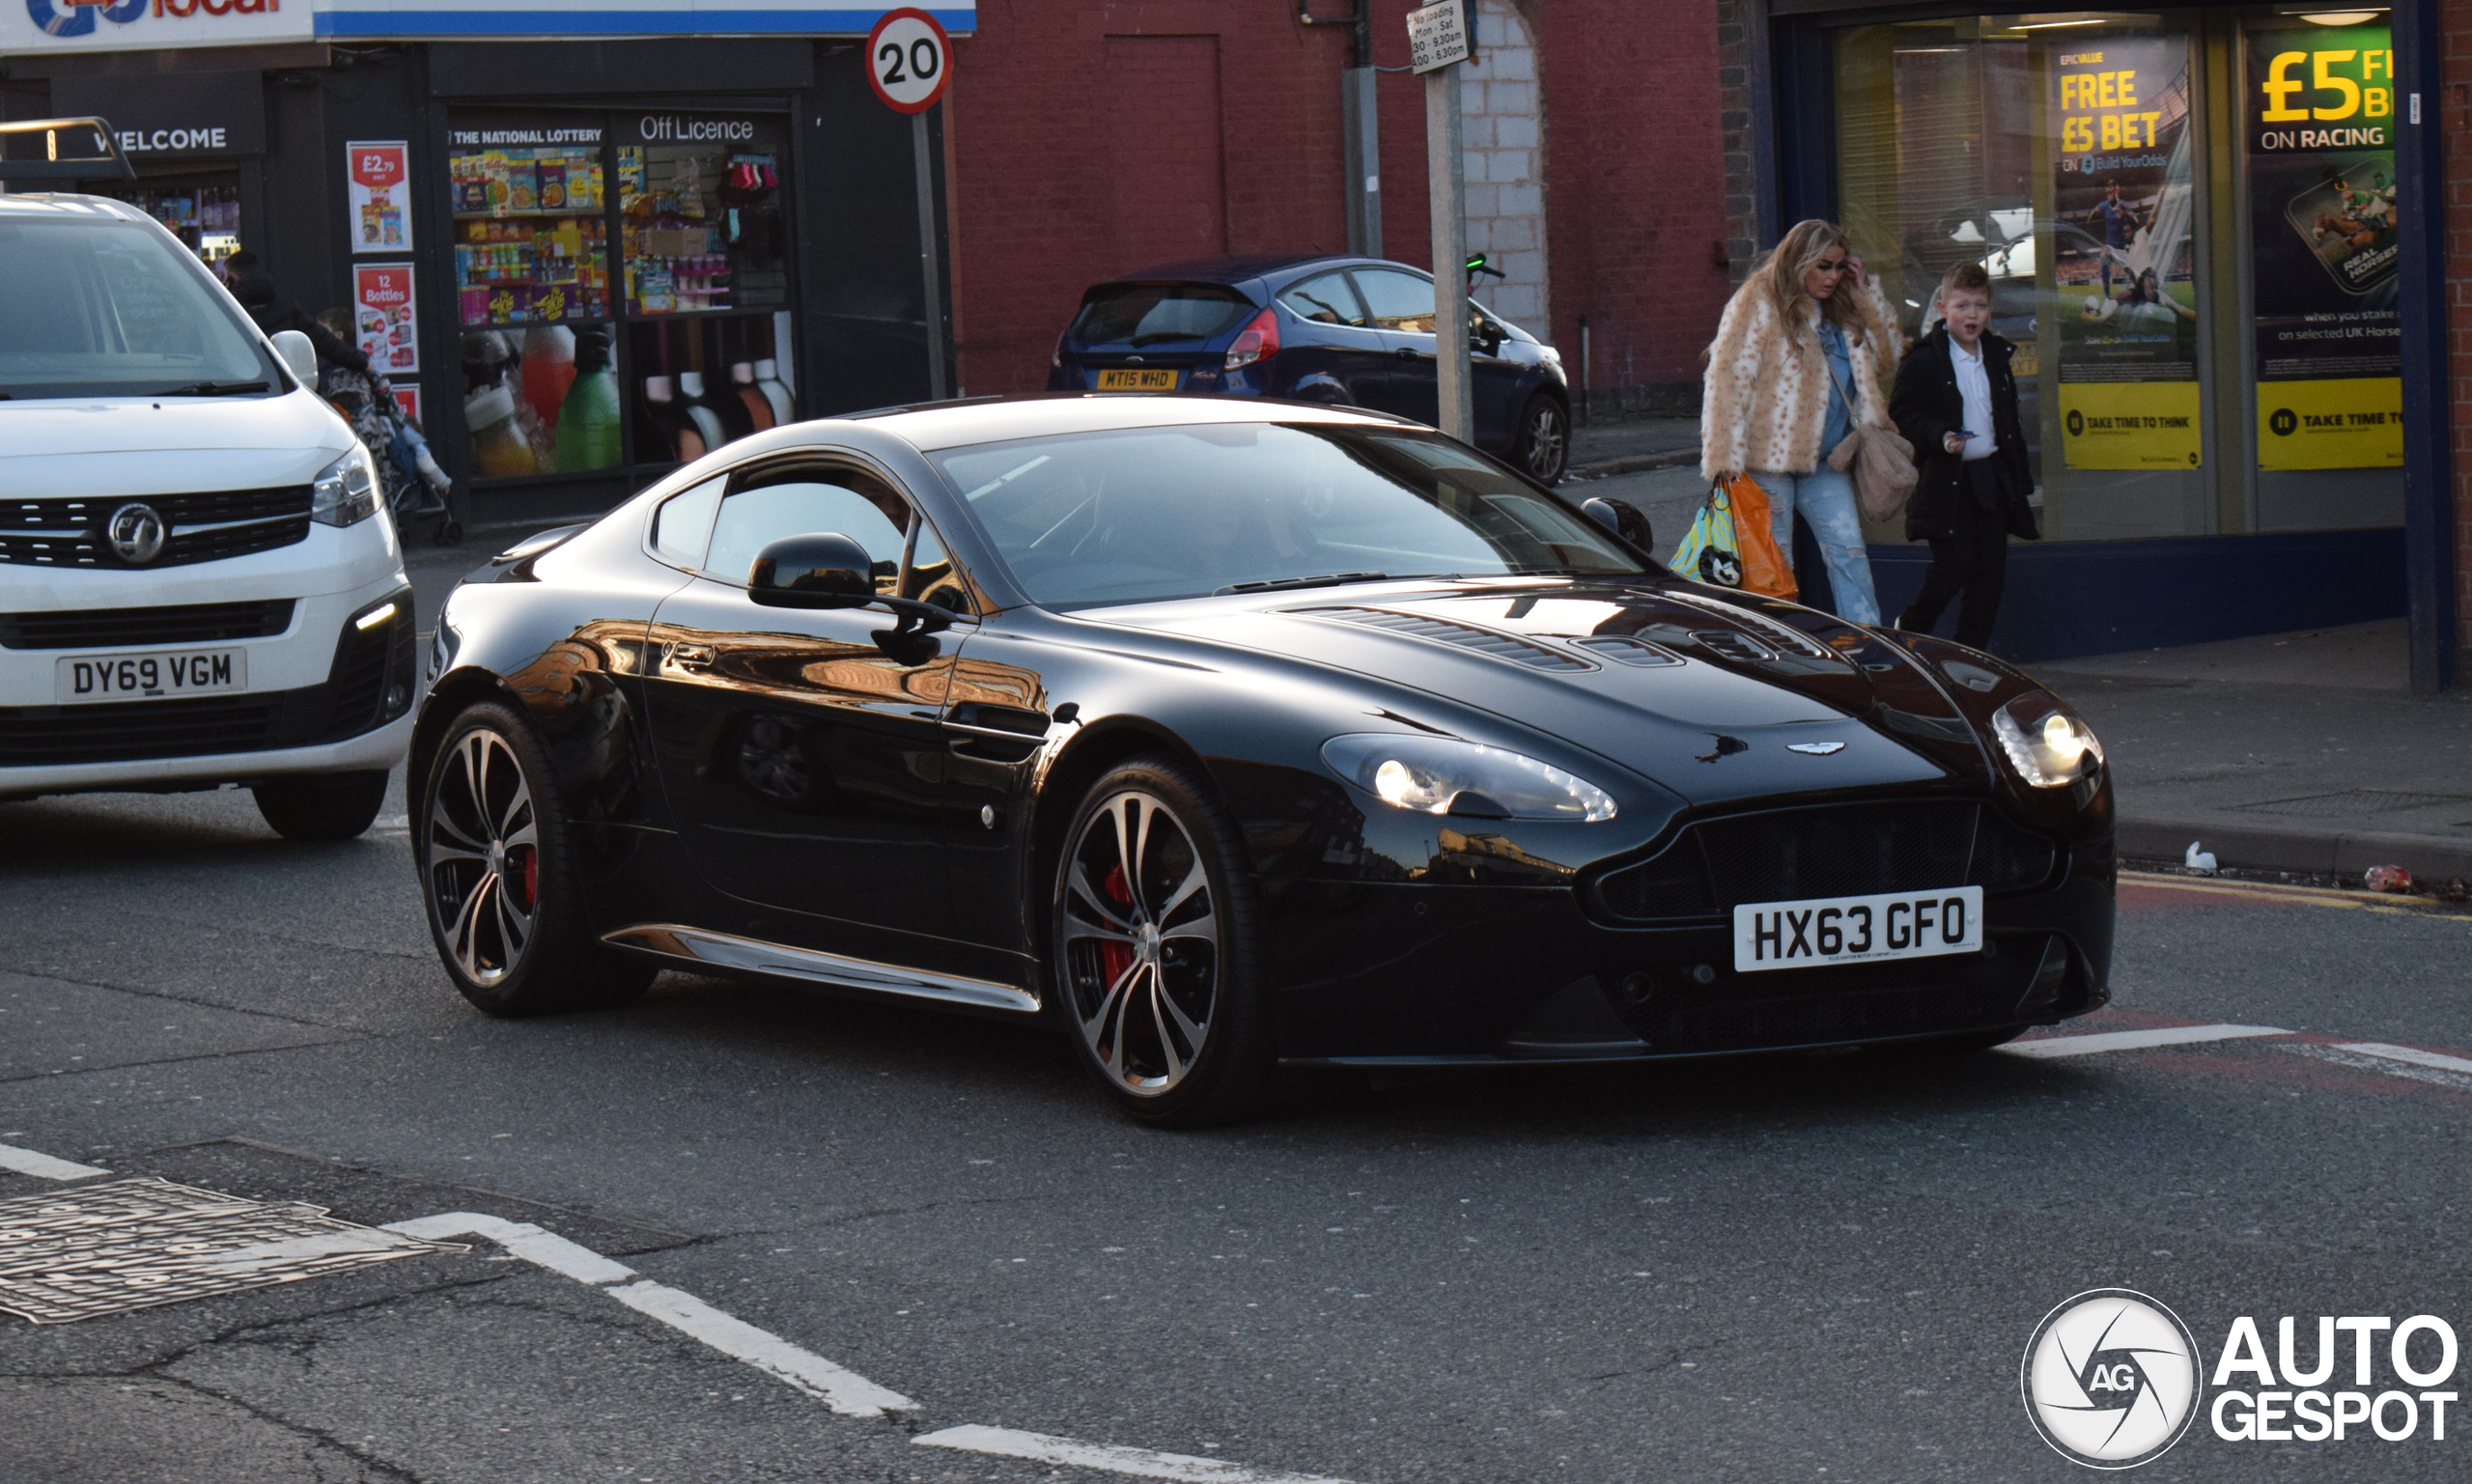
[1257,341]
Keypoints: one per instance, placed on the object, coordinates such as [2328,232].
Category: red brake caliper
[1116,958]
[531,876]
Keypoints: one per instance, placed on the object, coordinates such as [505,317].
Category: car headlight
[1443,775]
[2046,742]
[346,491]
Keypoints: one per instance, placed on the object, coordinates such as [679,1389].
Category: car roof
[1230,268]
[995,420]
[64,205]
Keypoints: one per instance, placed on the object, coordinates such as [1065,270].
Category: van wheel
[322,806]
[498,877]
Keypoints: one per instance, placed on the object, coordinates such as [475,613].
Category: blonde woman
[1806,331]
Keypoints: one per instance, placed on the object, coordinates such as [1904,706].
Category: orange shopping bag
[1764,569]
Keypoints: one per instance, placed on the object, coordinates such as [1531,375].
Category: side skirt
[723,950]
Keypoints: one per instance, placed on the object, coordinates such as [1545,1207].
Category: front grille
[1466,636]
[197,623]
[121,733]
[1829,851]
[203,527]
[1843,1003]
[369,684]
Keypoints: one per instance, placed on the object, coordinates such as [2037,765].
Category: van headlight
[2046,742]
[345,492]
[1443,775]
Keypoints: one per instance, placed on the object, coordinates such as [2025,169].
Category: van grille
[197,623]
[204,528]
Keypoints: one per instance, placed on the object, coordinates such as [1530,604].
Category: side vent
[1458,635]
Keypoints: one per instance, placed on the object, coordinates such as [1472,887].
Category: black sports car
[1231,734]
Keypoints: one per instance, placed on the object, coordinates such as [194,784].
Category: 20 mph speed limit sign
[906,60]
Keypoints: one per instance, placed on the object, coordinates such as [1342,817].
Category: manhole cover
[134,1244]
[2357,801]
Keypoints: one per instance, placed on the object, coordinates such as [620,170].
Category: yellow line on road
[2296,896]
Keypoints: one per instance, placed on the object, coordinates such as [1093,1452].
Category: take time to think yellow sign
[2130,424]
[2356,423]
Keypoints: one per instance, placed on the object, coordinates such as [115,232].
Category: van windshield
[112,308]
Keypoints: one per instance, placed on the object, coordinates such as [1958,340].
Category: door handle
[1406,353]
[692,657]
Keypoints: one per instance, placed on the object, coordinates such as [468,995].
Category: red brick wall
[2454,128]
[1054,128]
[1636,187]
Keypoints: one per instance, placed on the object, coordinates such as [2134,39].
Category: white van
[198,584]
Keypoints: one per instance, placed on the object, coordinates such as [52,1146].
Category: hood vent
[1458,635]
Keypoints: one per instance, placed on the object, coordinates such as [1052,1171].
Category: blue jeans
[1826,499]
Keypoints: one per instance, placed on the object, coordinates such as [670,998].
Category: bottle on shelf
[711,415]
[682,439]
[549,368]
[500,448]
[588,418]
[743,385]
[768,381]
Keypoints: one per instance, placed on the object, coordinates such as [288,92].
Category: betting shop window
[2063,156]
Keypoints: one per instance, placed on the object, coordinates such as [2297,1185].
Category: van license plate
[1820,931]
[1136,380]
[149,677]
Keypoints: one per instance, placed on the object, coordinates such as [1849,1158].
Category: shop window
[202,209]
[621,285]
[2063,155]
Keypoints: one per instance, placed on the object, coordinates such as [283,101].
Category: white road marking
[846,1391]
[1039,1447]
[2135,1040]
[43,1166]
[523,1240]
[2413,1054]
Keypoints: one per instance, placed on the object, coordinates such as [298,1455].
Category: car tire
[1158,969]
[322,806]
[1542,446]
[500,881]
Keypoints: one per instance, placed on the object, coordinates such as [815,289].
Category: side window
[684,523]
[1398,301]
[1325,299]
[806,502]
[931,577]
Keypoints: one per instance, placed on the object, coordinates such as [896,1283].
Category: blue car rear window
[1146,314]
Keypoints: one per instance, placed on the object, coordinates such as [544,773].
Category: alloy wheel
[1545,440]
[484,856]
[1140,937]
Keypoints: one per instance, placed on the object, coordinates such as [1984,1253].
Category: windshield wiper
[1327,579]
[213,389]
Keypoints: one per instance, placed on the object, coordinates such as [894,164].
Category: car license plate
[1821,931]
[149,677]
[1136,380]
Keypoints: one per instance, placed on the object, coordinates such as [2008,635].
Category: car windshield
[1152,513]
[1146,314]
[101,308]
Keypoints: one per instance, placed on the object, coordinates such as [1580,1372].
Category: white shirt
[1973,386]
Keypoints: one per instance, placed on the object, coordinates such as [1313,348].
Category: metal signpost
[908,64]
[1439,40]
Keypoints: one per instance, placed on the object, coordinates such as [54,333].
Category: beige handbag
[1882,464]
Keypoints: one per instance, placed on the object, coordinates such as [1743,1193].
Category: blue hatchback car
[1349,331]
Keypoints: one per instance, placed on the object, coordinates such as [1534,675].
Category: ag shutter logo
[2111,1379]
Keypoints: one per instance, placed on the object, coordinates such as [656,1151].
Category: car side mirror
[1623,518]
[827,570]
[299,356]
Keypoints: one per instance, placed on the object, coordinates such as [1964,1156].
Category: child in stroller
[415,486]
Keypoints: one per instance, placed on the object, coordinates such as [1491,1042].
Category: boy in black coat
[1956,402]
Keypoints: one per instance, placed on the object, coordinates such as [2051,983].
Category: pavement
[2300,753]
